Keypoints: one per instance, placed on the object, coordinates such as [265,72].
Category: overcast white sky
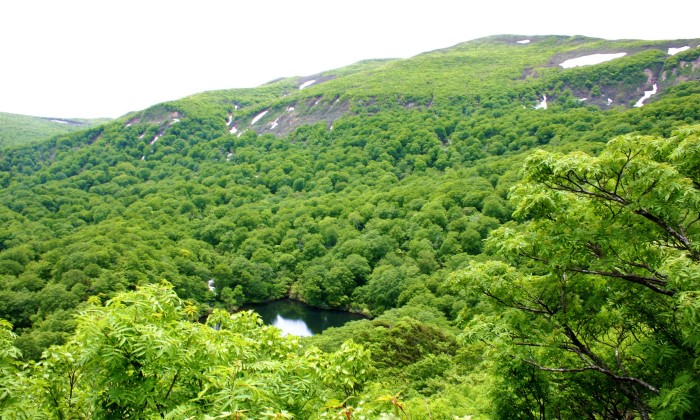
[104,58]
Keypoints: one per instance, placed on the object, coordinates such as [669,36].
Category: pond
[300,319]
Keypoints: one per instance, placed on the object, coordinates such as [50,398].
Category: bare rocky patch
[283,120]
[155,117]
[308,81]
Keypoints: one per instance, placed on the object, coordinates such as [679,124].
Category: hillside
[21,129]
[520,233]
[500,69]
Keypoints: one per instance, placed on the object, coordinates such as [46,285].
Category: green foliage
[9,367]
[22,129]
[603,260]
[365,191]
[140,355]
[232,298]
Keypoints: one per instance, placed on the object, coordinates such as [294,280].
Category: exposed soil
[281,121]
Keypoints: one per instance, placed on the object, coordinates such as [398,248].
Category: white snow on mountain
[588,60]
[674,51]
[306,84]
[257,117]
[647,95]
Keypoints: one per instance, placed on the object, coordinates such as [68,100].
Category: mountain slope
[498,68]
[18,129]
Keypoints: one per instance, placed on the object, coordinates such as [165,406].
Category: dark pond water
[299,319]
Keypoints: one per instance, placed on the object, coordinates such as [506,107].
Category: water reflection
[299,319]
[292,326]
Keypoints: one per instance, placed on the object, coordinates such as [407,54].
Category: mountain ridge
[284,87]
[561,49]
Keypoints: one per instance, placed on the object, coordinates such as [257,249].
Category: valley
[517,232]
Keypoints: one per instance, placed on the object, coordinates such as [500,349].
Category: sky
[105,58]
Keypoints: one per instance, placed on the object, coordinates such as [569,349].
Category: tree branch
[577,186]
[167,394]
[648,282]
[675,234]
[516,305]
[599,365]
[598,369]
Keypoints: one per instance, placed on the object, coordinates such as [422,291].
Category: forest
[511,262]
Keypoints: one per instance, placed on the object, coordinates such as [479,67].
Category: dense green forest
[513,260]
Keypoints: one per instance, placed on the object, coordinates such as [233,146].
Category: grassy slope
[472,73]
[18,129]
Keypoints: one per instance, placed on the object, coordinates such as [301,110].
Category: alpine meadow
[516,218]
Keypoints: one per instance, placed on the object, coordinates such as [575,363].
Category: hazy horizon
[82,59]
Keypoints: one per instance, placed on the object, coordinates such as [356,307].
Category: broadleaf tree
[141,356]
[598,285]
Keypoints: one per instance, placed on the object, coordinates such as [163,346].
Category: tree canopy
[599,279]
[512,261]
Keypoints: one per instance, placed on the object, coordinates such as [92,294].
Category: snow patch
[257,117]
[141,136]
[307,84]
[60,121]
[543,104]
[674,51]
[290,109]
[524,41]
[143,157]
[609,101]
[155,139]
[230,120]
[210,283]
[647,95]
[233,130]
[128,125]
[588,60]
[274,124]
[175,120]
